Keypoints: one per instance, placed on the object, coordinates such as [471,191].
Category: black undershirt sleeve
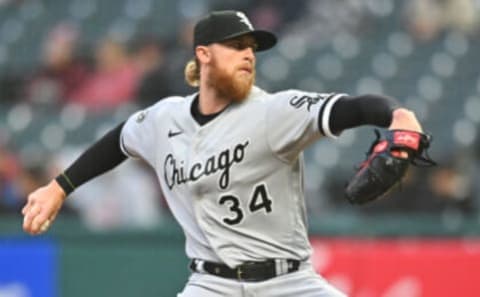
[101,157]
[349,112]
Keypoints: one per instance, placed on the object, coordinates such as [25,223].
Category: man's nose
[249,54]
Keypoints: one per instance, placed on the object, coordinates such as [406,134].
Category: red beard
[234,86]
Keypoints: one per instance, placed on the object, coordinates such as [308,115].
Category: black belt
[248,271]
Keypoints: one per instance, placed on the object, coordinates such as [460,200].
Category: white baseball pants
[302,283]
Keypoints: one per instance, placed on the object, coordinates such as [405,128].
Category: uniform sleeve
[294,119]
[137,139]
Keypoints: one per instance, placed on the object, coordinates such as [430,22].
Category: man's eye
[236,45]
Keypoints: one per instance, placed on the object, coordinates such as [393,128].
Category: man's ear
[203,54]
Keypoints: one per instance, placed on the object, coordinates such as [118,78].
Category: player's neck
[210,102]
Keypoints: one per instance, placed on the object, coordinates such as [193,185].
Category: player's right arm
[42,207]
[130,138]
[44,203]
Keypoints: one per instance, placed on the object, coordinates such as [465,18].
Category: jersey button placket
[197,140]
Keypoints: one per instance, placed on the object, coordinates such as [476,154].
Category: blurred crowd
[114,74]
[114,71]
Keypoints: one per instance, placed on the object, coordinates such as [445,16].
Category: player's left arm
[381,111]
[295,118]
[389,156]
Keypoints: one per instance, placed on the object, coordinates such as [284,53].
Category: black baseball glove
[385,166]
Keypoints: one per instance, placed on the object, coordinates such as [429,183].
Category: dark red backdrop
[400,268]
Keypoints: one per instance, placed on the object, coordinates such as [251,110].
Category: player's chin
[245,80]
[241,92]
[240,85]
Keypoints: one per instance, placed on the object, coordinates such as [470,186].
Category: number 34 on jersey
[258,201]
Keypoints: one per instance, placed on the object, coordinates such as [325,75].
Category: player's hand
[42,207]
[404,119]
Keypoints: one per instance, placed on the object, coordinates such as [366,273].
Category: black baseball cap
[223,25]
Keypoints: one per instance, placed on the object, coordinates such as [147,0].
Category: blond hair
[192,73]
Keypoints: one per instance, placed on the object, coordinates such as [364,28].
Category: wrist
[61,186]
[58,189]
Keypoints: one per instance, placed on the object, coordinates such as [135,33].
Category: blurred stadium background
[71,69]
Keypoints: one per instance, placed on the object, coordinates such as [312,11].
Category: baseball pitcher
[229,160]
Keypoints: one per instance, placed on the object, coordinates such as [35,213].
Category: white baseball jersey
[234,184]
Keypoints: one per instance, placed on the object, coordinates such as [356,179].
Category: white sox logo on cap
[244,19]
